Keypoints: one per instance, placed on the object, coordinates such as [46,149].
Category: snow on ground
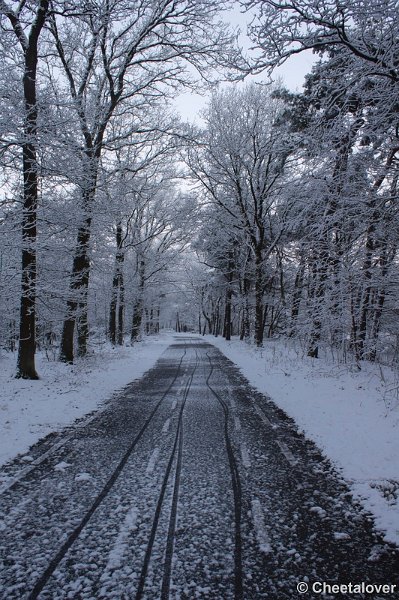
[352,416]
[29,410]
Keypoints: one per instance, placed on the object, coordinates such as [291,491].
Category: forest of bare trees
[300,230]
[274,215]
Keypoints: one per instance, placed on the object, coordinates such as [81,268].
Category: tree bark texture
[116,310]
[77,302]
[27,335]
[138,306]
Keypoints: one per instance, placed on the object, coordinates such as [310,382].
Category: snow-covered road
[189,484]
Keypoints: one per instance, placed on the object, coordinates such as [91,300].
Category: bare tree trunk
[296,297]
[138,305]
[386,258]
[320,273]
[208,321]
[264,318]
[136,320]
[370,247]
[121,310]
[112,311]
[83,325]
[258,300]
[12,336]
[229,295]
[246,321]
[375,328]
[26,368]
[157,320]
[366,292]
[227,316]
[325,261]
[116,308]
[216,320]
[245,287]
[354,333]
[78,289]
[27,326]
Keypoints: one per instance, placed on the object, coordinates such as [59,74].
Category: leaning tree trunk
[27,335]
[208,321]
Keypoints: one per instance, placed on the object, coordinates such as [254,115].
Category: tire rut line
[173,514]
[177,446]
[44,578]
[236,485]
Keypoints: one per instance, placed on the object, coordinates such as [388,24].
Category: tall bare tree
[240,161]
[135,54]
[27,23]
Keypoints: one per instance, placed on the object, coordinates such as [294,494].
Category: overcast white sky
[292,72]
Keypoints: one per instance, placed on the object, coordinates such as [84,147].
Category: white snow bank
[29,410]
[352,416]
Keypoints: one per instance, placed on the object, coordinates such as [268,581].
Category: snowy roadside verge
[29,410]
[353,417]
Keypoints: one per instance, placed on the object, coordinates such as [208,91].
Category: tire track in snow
[177,453]
[236,484]
[73,536]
